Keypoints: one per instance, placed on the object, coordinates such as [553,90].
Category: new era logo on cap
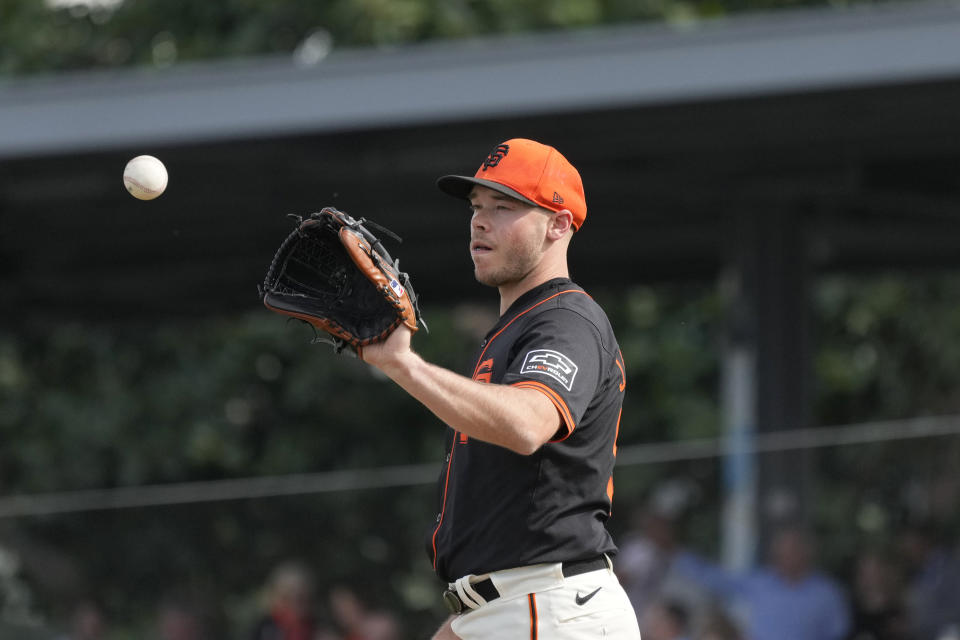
[529,171]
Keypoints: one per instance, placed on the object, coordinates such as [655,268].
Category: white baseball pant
[539,603]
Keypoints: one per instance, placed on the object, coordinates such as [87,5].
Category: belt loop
[468,594]
[473,593]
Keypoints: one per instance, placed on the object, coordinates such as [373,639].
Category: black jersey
[500,509]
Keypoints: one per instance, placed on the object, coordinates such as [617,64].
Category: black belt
[489,592]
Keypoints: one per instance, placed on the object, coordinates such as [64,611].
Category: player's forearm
[518,419]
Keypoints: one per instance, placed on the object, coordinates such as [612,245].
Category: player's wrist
[401,365]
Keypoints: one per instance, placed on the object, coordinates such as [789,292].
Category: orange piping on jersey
[623,375]
[555,399]
[480,359]
[610,481]
[532,598]
[617,433]
[443,507]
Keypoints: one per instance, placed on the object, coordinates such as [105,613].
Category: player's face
[506,237]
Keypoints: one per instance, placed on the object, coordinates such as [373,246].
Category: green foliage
[670,337]
[887,348]
[212,398]
[99,407]
[39,39]
[670,342]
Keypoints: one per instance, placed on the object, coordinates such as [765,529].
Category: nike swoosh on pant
[582,600]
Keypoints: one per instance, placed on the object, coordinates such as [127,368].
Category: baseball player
[526,487]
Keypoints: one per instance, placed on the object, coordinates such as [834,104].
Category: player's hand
[391,352]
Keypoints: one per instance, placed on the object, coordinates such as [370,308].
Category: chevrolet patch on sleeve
[550,363]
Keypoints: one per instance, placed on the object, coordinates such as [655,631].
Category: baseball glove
[334,274]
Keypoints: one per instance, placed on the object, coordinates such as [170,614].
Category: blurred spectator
[86,622]
[717,625]
[644,558]
[643,564]
[179,620]
[290,605]
[785,600]
[878,607]
[933,587]
[357,621]
[665,620]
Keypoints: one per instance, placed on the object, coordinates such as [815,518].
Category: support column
[765,379]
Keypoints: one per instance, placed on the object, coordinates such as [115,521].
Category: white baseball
[145,177]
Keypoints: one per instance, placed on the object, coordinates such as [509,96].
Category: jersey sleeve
[561,356]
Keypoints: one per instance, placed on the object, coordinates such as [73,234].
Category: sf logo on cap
[498,154]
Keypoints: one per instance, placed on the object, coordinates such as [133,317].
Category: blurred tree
[63,35]
[888,346]
[887,349]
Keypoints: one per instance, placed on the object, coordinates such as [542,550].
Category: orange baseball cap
[529,171]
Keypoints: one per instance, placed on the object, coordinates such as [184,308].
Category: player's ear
[560,224]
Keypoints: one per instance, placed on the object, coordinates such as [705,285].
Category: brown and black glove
[334,273]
